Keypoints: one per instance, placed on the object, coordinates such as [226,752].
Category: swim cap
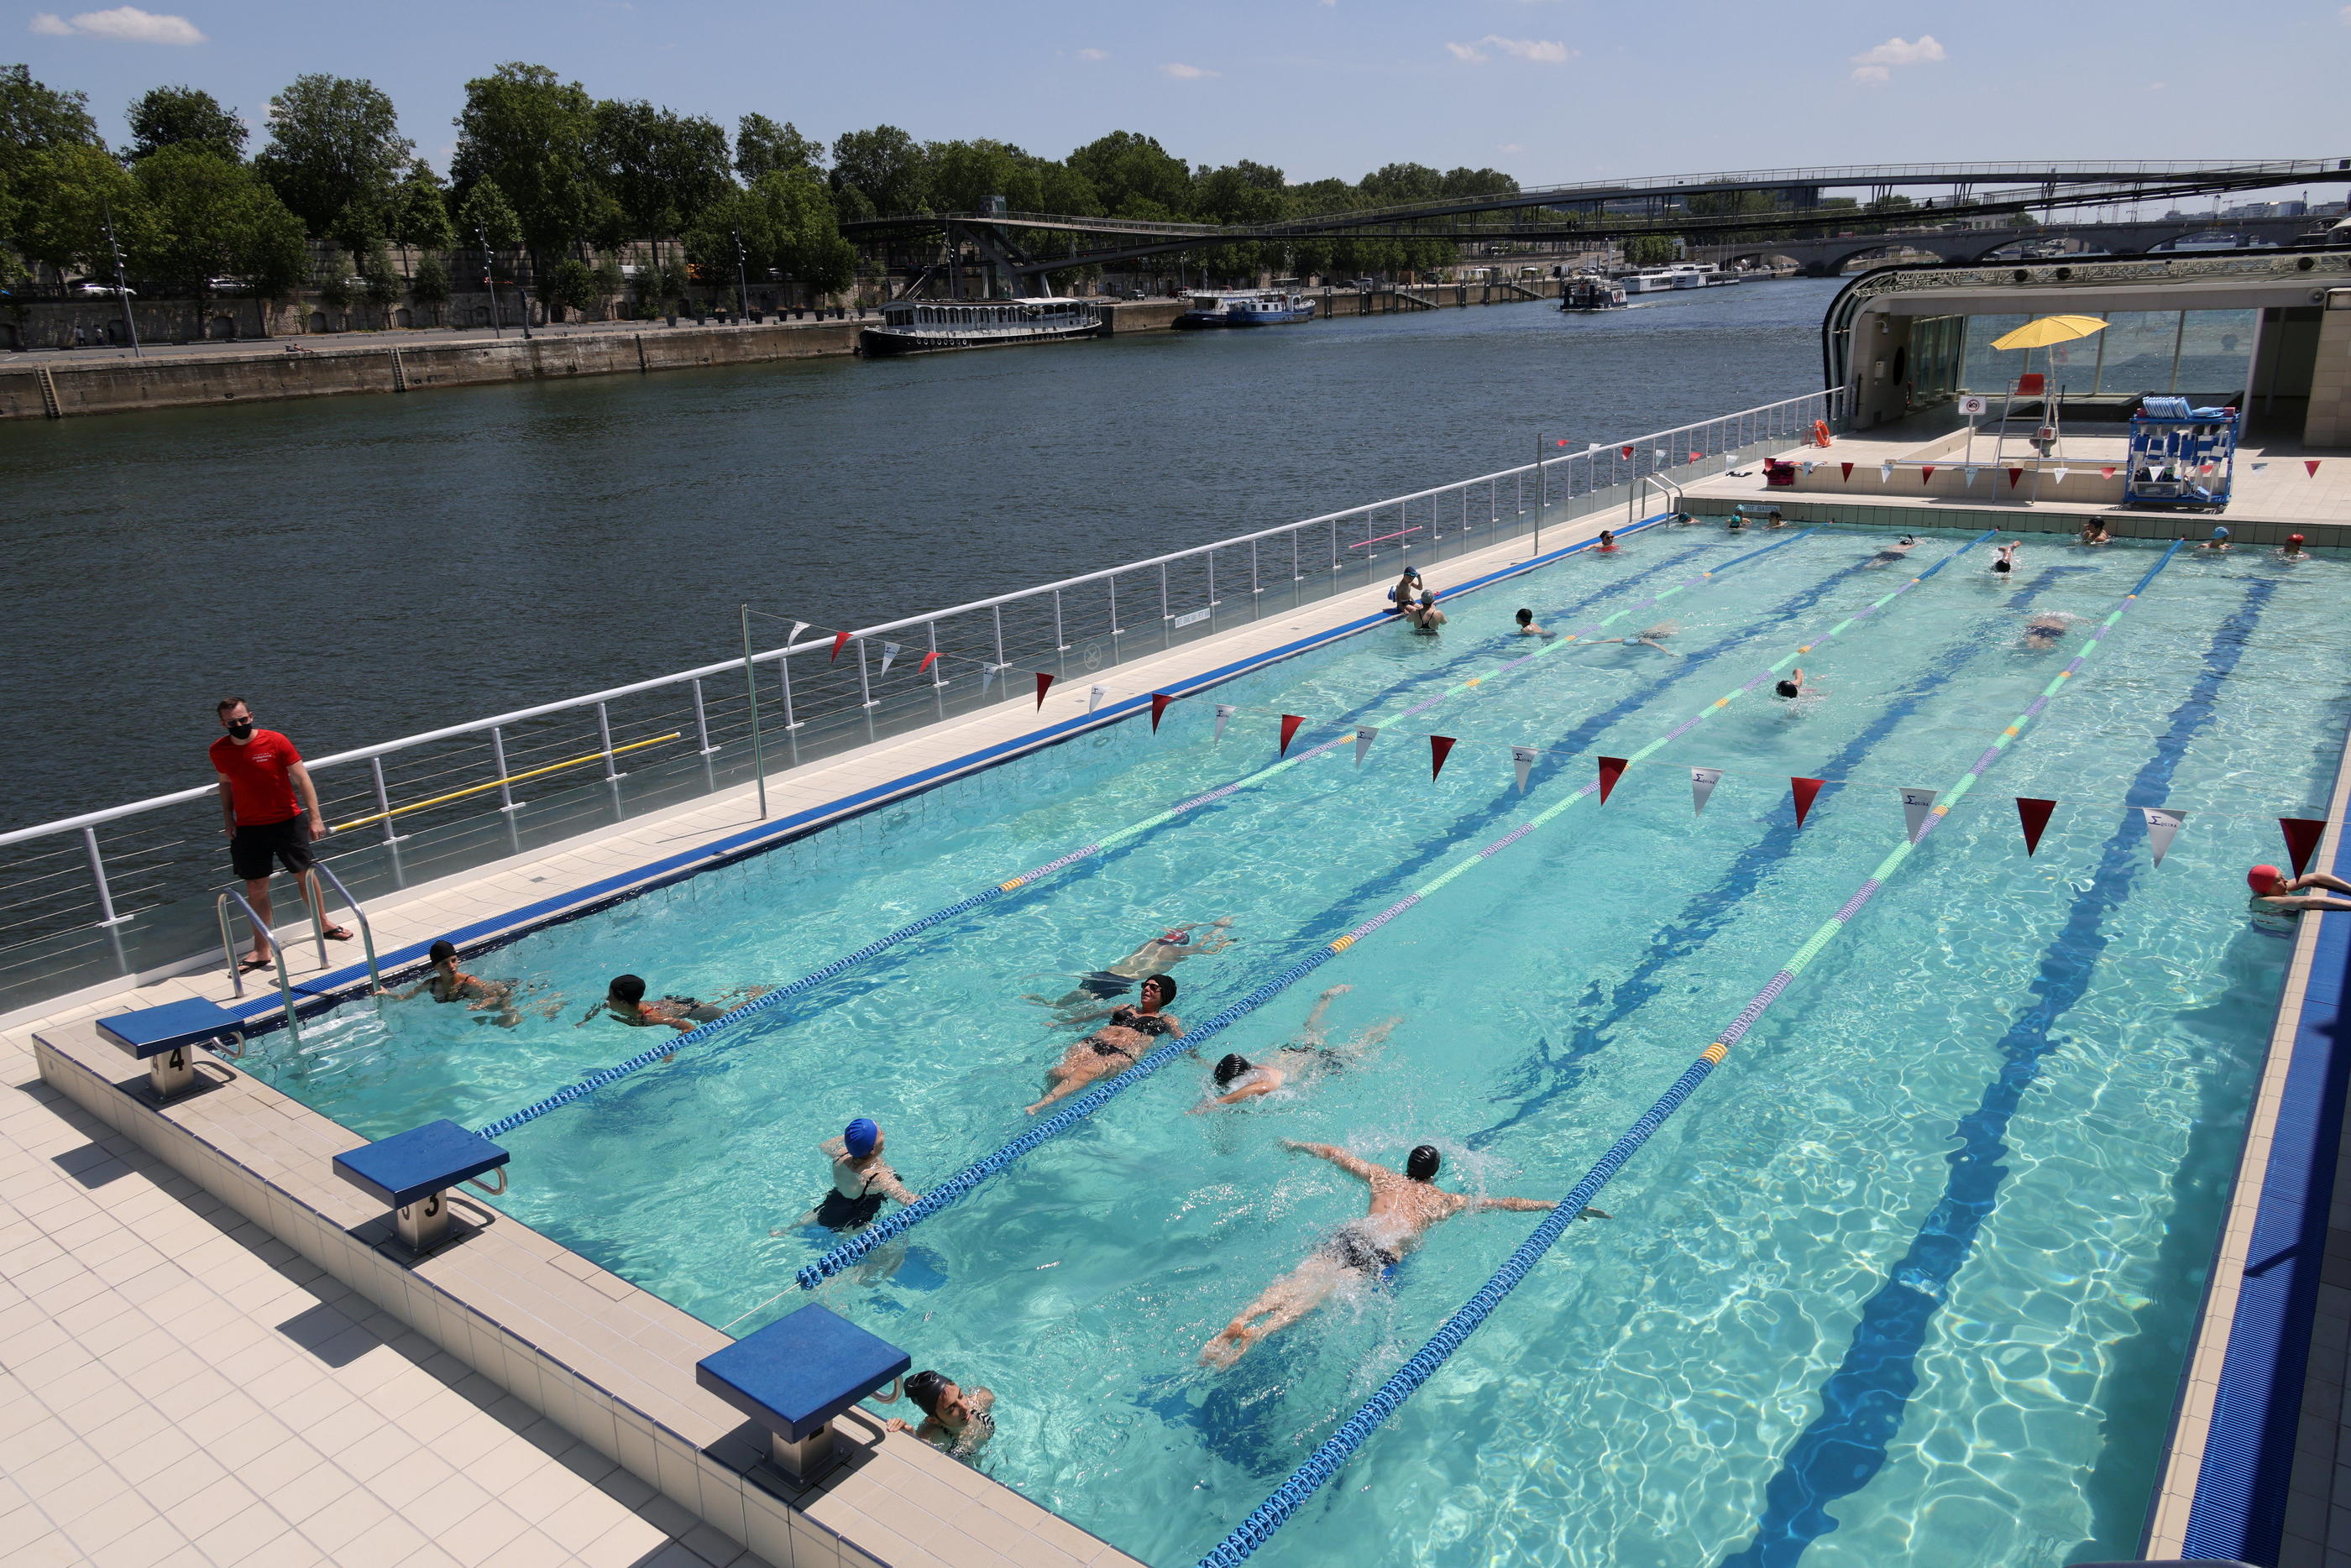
[1231,1067]
[1175,939]
[2219,532]
[1166,985]
[2262,878]
[1422,1163]
[1786,689]
[859,1137]
[442,949]
[2293,538]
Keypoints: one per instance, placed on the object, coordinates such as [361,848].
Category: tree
[67,194]
[185,117]
[334,284]
[763,147]
[1477,183]
[420,210]
[430,286]
[659,170]
[486,219]
[34,118]
[1648,249]
[213,216]
[380,282]
[335,154]
[1134,176]
[611,280]
[1397,183]
[568,286]
[886,167]
[786,225]
[527,129]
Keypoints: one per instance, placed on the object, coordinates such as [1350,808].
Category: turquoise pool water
[1912,1275]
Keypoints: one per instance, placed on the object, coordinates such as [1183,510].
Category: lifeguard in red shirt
[269,812]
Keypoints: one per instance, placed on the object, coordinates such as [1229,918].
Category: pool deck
[212,1353]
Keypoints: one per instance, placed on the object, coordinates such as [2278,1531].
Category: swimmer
[2043,631]
[1653,637]
[1424,615]
[1607,541]
[2004,560]
[2273,906]
[1400,595]
[447,983]
[2293,550]
[1683,519]
[1241,1079]
[861,1180]
[1899,550]
[1116,1045]
[625,1001]
[2219,543]
[1774,520]
[1793,686]
[1527,626]
[2093,532]
[1403,1208]
[1738,520]
[1161,954]
[953,1420]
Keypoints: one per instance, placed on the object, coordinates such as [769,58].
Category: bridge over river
[1827,255]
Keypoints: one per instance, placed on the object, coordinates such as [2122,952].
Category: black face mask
[241,729]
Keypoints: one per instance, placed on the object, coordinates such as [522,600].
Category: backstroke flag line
[1916,804]
[1702,782]
[2162,827]
[2034,815]
[1522,761]
[2302,836]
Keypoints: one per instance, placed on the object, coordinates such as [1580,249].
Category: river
[363,567]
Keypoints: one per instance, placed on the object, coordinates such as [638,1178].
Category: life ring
[1820,432]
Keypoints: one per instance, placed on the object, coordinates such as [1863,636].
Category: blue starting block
[795,1375]
[413,1172]
[162,1037]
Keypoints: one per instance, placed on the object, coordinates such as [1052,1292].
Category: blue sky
[1546,90]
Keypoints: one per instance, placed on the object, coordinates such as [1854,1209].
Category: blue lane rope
[1327,1460]
[964,1181]
[986,896]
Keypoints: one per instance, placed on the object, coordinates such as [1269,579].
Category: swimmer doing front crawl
[1239,1078]
[1403,1208]
[1117,1045]
[447,983]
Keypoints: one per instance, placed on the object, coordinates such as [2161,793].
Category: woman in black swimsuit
[1117,1045]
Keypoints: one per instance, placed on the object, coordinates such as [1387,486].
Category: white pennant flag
[1702,782]
[889,652]
[1916,805]
[1225,711]
[1522,759]
[798,627]
[1364,736]
[2058,474]
[1095,696]
[2162,826]
[1967,474]
[988,676]
[1884,472]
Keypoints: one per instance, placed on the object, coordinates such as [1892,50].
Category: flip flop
[339,933]
[247,965]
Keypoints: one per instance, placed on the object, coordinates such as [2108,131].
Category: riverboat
[1592,293]
[1250,307]
[935,326]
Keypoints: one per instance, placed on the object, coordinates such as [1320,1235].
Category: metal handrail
[276,951]
[1641,488]
[367,932]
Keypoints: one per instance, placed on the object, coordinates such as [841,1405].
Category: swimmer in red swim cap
[2293,550]
[2277,901]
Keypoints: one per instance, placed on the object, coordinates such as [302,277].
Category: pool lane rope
[962,1183]
[880,945]
[1327,1460]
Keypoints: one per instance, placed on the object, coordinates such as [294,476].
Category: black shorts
[836,1210]
[1103,985]
[257,843]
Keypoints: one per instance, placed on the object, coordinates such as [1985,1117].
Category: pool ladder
[1640,492]
[277,949]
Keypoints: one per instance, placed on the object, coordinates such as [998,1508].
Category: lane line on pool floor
[1328,1459]
[968,1180]
[704,1032]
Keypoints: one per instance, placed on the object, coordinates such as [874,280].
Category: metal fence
[130,889]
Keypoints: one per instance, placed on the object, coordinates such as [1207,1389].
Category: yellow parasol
[2048,330]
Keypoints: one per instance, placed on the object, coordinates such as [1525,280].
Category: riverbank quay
[71,383]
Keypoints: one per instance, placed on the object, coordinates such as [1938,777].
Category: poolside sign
[1702,782]
[1973,407]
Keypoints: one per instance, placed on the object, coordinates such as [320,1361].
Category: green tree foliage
[609,280]
[763,147]
[1477,183]
[568,285]
[786,223]
[334,284]
[1648,249]
[429,284]
[661,170]
[378,282]
[1397,184]
[886,167]
[334,157]
[528,131]
[66,194]
[486,218]
[1134,177]
[34,118]
[183,116]
[212,216]
[420,210]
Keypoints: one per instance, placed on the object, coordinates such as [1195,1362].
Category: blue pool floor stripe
[963,1182]
[1332,1455]
[1863,1400]
[1091,854]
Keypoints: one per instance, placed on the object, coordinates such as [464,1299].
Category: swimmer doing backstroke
[1155,956]
[1117,1045]
[1311,1055]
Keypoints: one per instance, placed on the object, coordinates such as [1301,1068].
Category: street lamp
[122,286]
[490,282]
[742,284]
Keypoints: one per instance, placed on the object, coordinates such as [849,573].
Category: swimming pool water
[1912,1275]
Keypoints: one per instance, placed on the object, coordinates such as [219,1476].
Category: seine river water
[365,567]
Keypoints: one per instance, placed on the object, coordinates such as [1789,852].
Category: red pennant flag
[1043,680]
[2108,469]
[1561,442]
[2034,815]
[1805,790]
[1848,469]
[2302,835]
[1159,700]
[1926,473]
[2013,475]
[1610,770]
[1439,748]
[2311,464]
[1290,723]
[1698,457]
[1625,451]
[838,642]
[928,659]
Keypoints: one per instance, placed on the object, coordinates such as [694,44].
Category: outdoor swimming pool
[1912,1274]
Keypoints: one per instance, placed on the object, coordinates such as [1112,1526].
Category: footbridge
[1692,205]
[1827,255]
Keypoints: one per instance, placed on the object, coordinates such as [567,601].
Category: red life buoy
[1820,432]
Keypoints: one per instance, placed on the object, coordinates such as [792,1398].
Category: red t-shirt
[260,787]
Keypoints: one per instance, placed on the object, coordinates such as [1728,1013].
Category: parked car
[103,289]
[228,284]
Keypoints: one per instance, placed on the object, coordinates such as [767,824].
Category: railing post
[998,611]
[865,688]
[1212,600]
[383,801]
[1164,612]
[506,802]
[604,733]
[1253,589]
[701,722]
[105,915]
[1060,643]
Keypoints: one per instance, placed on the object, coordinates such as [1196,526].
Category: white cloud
[1093,53]
[1871,74]
[1510,147]
[2157,87]
[125,24]
[1901,52]
[2344,15]
[1542,51]
[1184,73]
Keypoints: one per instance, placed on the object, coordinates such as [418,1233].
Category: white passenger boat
[1245,308]
[934,326]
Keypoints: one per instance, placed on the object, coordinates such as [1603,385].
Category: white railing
[129,887]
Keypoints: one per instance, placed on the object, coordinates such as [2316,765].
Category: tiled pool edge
[2229,1460]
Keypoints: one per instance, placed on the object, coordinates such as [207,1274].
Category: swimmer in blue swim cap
[2218,543]
[861,1180]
